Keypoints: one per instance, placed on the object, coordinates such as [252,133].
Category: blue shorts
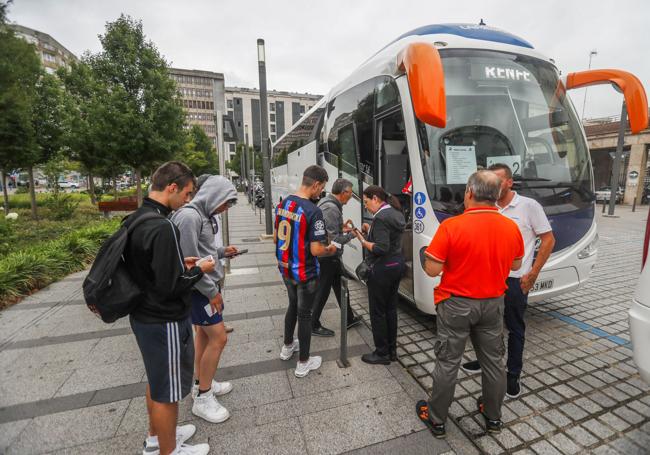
[199,314]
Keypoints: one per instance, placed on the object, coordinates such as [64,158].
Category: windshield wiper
[568,185]
[518,178]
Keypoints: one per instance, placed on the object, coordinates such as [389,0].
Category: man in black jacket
[161,321]
[330,266]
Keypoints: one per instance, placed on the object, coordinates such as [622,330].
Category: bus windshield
[511,109]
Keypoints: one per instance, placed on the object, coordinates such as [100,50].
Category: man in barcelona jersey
[300,237]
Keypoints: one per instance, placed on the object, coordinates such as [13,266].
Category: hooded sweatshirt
[198,225]
[386,233]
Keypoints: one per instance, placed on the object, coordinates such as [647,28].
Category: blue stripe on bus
[591,329]
[473,31]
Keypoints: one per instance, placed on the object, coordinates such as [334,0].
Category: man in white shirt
[533,224]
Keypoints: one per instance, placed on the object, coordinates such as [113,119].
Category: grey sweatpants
[482,321]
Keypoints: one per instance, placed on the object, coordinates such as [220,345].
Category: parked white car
[66,184]
[605,192]
[640,315]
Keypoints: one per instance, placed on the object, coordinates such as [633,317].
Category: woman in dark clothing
[383,242]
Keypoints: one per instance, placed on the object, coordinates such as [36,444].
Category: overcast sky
[311,46]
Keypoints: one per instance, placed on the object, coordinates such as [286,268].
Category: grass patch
[25,270]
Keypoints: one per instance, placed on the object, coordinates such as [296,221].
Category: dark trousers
[330,277]
[383,285]
[515,308]
[301,301]
[458,319]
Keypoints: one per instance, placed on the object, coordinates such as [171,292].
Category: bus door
[394,174]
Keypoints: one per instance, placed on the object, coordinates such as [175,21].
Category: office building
[53,54]
[285,108]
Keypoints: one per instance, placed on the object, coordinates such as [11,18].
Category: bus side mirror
[426,78]
[633,91]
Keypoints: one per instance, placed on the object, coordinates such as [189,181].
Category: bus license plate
[542,285]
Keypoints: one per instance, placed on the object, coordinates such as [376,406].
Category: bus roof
[445,36]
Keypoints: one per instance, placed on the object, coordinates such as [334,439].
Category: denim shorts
[200,315]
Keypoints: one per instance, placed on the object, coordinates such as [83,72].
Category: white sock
[152,440]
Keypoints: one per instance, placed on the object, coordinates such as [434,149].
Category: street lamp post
[264,107]
[225,231]
[251,187]
[584,100]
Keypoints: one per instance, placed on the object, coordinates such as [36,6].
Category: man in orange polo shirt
[475,251]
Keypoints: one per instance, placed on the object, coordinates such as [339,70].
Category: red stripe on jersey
[302,272]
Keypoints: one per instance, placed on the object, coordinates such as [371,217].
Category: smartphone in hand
[238,253]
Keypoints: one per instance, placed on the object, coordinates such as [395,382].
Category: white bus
[437,104]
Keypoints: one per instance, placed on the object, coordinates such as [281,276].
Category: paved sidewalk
[71,384]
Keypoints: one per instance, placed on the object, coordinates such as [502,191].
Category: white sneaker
[186,449]
[218,388]
[208,408]
[303,368]
[183,433]
[287,351]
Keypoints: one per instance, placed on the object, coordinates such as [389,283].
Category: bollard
[634,205]
[604,205]
[342,361]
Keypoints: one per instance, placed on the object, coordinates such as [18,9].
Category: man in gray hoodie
[198,226]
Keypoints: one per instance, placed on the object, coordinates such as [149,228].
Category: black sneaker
[322,332]
[422,410]
[513,389]
[492,426]
[471,367]
[354,322]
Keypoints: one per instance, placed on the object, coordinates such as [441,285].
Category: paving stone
[550,396]
[581,436]
[641,436]
[580,386]
[535,402]
[519,408]
[573,411]
[524,431]
[598,428]
[507,439]
[81,426]
[628,414]
[540,424]
[556,418]
[604,450]
[545,448]
[588,405]
[602,399]
[626,446]
[564,444]
[489,446]
[639,407]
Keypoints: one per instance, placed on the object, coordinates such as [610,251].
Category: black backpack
[109,290]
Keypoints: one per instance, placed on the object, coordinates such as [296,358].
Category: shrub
[62,206]
[22,272]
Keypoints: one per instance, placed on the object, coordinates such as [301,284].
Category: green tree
[198,152]
[49,126]
[20,69]
[235,162]
[88,114]
[148,124]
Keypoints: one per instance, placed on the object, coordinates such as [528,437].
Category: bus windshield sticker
[481,72]
[513,161]
[420,213]
[461,163]
[418,226]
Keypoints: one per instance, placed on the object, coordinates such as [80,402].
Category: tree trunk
[138,186]
[32,192]
[91,188]
[115,195]
[5,194]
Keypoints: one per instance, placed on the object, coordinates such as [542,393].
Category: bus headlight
[590,249]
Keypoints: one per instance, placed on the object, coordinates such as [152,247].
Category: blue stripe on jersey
[295,232]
